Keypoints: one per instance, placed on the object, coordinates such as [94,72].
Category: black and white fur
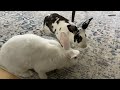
[55,24]
[23,53]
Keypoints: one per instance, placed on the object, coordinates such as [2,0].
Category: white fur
[63,26]
[46,30]
[24,52]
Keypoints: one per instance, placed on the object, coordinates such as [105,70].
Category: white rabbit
[24,52]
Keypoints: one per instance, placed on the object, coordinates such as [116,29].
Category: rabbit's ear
[64,40]
[86,23]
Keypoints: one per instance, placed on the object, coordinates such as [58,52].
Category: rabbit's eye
[75,57]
